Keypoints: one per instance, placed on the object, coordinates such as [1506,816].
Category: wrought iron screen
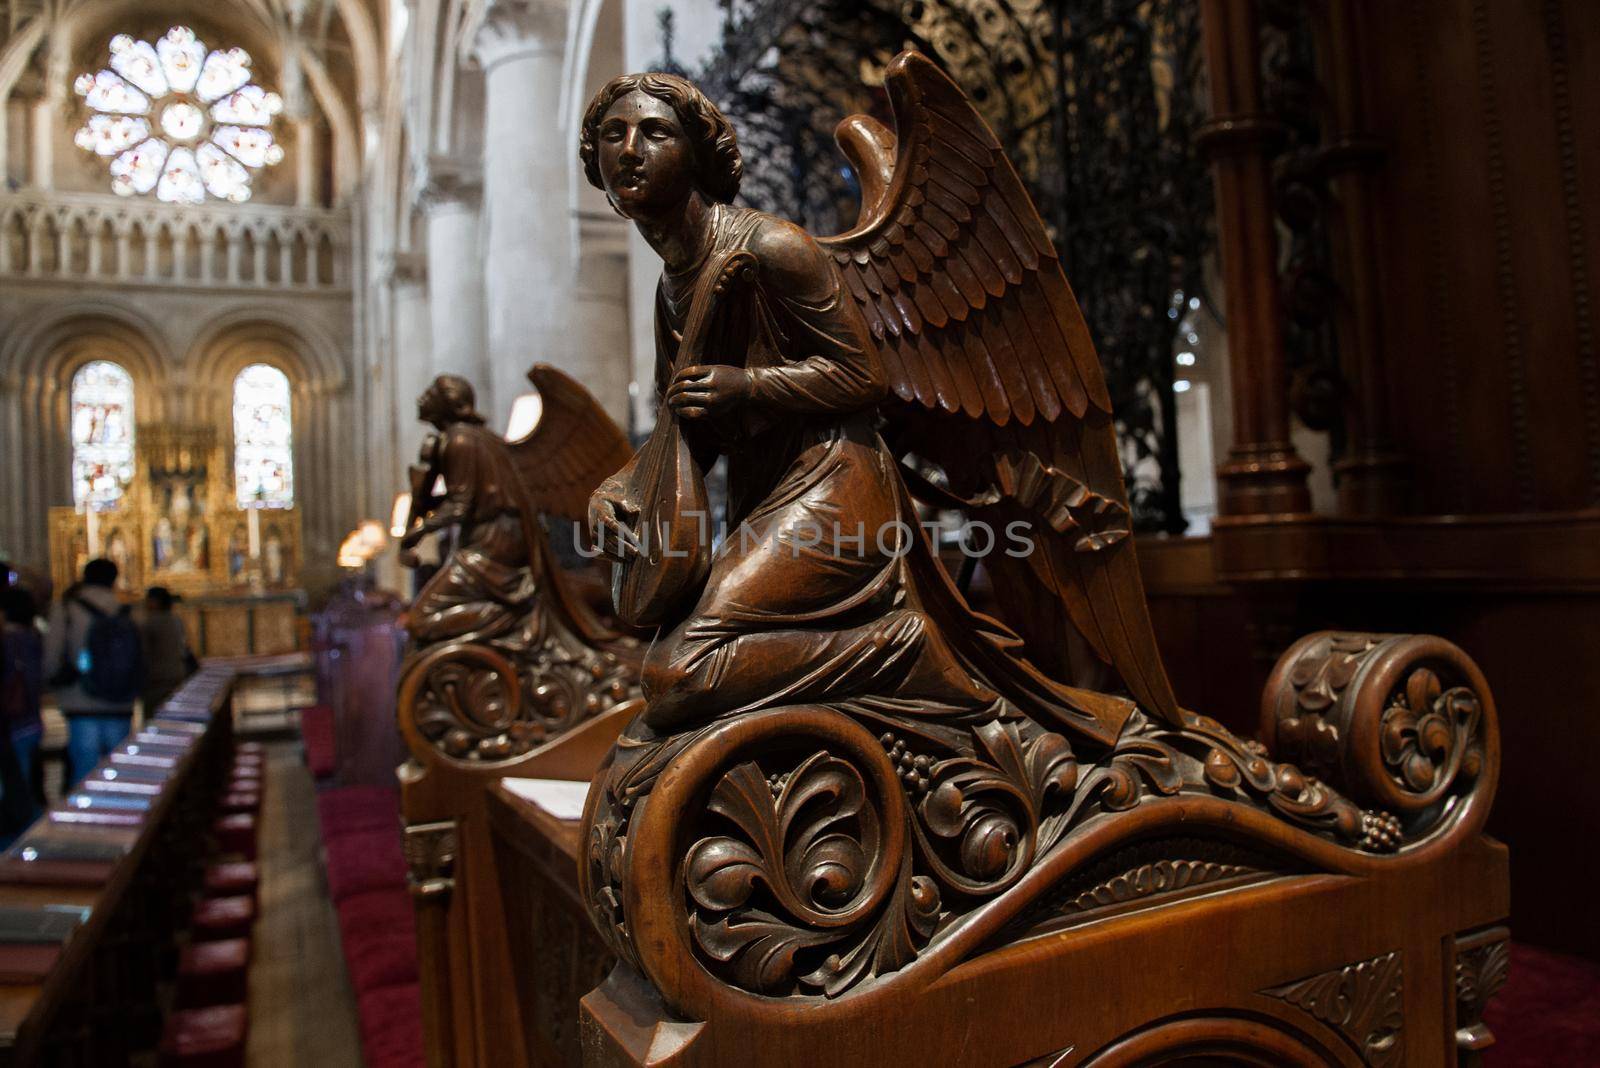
[1096,102]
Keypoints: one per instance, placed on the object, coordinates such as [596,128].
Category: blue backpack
[111,666]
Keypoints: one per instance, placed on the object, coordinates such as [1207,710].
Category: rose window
[179,120]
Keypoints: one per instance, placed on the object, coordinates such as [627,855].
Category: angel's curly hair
[455,395]
[718,166]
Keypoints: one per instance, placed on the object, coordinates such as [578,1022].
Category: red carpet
[1548,1014]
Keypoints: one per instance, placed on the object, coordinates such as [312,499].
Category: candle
[92,524]
[255,532]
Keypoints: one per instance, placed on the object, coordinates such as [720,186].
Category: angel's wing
[983,341]
[574,446]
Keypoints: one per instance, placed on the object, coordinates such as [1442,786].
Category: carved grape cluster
[914,769]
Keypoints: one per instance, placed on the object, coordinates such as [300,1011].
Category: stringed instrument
[672,531]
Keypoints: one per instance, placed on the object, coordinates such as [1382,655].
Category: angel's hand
[707,389]
[612,533]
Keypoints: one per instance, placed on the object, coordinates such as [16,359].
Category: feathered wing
[574,447]
[984,343]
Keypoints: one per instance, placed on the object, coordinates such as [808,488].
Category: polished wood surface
[846,827]
[1454,178]
[510,673]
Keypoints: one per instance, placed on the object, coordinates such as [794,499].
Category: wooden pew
[479,920]
[96,1003]
[1170,922]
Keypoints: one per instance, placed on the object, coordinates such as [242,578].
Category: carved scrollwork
[476,702]
[807,878]
[1400,721]
[1363,1001]
[810,857]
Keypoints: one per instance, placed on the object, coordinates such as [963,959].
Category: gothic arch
[38,359]
[319,407]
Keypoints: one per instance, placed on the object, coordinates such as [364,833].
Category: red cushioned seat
[217,918]
[1548,1013]
[232,879]
[241,801]
[376,914]
[374,959]
[355,809]
[317,735]
[213,973]
[369,860]
[236,834]
[205,1038]
[391,1027]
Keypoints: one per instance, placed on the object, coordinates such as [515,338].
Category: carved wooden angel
[842,770]
[944,312]
[500,588]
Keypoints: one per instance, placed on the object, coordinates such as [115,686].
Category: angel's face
[433,408]
[646,159]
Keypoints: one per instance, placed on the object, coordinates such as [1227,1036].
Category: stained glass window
[102,434]
[178,119]
[263,438]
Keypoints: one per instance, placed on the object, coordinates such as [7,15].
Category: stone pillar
[306,185]
[450,201]
[47,114]
[1263,474]
[528,165]
[413,366]
[601,315]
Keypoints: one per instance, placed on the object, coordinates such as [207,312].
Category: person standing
[21,686]
[167,656]
[96,661]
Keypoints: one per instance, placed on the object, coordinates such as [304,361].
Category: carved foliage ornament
[1401,719]
[1483,964]
[474,704]
[815,870]
[1364,1002]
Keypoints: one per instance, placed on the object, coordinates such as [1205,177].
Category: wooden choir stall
[834,815]
[97,893]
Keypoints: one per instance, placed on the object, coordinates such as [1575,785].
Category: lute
[671,533]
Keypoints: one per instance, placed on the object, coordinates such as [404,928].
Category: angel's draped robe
[484,587]
[824,589]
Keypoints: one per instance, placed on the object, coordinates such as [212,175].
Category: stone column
[601,315]
[413,366]
[528,166]
[47,112]
[450,201]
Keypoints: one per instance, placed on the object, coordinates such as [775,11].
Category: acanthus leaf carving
[1363,1001]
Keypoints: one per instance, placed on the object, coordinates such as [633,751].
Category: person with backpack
[96,660]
